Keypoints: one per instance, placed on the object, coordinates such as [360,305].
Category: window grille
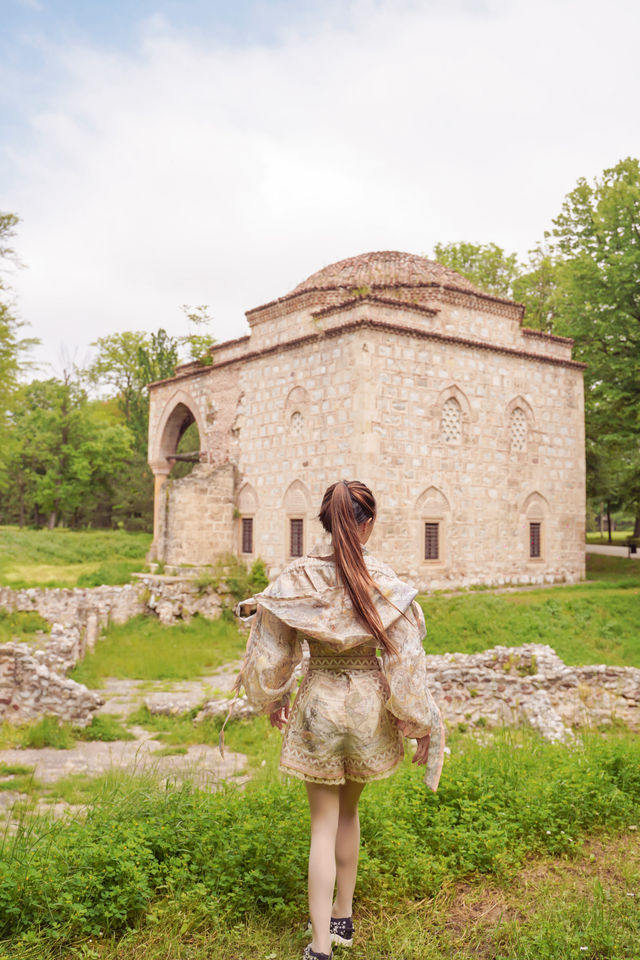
[451,423]
[535,540]
[297,423]
[518,429]
[295,538]
[247,534]
[431,541]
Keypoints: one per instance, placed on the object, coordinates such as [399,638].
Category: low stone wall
[517,685]
[531,684]
[33,679]
[29,689]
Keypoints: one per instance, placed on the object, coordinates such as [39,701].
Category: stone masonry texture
[390,369]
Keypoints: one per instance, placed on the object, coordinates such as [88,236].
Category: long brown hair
[345,505]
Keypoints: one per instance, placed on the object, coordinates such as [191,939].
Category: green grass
[622,570]
[584,624]
[145,649]
[163,872]
[617,536]
[61,557]
[21,625]
[50,731]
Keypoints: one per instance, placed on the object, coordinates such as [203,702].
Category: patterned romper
[352,707]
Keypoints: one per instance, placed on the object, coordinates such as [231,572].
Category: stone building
[391,369]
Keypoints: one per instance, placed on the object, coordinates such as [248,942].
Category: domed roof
[387,268]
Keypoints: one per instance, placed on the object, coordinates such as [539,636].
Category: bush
[244,851]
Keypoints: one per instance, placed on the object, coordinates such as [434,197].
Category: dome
[388,268]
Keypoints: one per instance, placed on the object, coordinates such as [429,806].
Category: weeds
[238,853]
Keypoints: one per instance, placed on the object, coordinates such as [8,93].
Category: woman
[352,709]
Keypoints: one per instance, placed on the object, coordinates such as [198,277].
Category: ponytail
[345,505]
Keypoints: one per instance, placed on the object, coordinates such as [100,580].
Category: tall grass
[239,853]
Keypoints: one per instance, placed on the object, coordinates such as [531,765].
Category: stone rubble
[505,685]
[33,680]
[29,689]
[531,684]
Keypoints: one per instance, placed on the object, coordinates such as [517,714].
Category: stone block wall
[326,388]
[196,516]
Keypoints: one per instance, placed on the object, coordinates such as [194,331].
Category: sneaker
[310,954]
[341,930]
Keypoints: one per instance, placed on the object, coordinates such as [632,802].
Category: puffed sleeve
[409,697]
[273,652]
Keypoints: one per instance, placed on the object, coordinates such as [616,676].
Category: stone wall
[515,686]
[196,516]
[531,684]
[29,689]
[32,674]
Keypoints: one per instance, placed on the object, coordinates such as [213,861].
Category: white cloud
[192,172]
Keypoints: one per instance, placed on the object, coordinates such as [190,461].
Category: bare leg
[347,847]
[324,807]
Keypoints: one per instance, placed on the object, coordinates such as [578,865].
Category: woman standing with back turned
[352,709]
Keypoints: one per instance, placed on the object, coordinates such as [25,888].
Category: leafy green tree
[595,245]
[485,264]
[68,450]
[13,347]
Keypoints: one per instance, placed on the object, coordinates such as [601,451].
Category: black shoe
[310,954]
[341,930]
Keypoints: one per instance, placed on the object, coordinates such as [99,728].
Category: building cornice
[403,305]
[386,327]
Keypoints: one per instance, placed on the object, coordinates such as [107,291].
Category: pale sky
[185,151]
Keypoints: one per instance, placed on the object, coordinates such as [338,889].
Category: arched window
[297,423]
[247,508]
[432,513]
[296,509]
[536,514]
[518,429]
[451,422]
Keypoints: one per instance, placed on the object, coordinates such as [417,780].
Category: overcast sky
[196,152]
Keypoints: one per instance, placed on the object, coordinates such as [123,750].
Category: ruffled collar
[308,597]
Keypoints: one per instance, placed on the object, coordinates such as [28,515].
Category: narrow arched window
[451,423]
[518,429]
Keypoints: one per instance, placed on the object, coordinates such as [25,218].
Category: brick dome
[388,268]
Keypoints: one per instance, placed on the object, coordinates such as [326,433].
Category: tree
[485,264]
[13,347]
[595,246]
[67,450]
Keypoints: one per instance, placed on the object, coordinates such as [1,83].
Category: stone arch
[296,398]
[248,502]
[296,409]
[179,413]
[296,498]
[519,426]
[433,521]
[520,401]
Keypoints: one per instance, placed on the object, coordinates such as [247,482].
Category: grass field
[145,649]
[69,558]
[527,852]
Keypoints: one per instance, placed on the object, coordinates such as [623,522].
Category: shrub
[244,851]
